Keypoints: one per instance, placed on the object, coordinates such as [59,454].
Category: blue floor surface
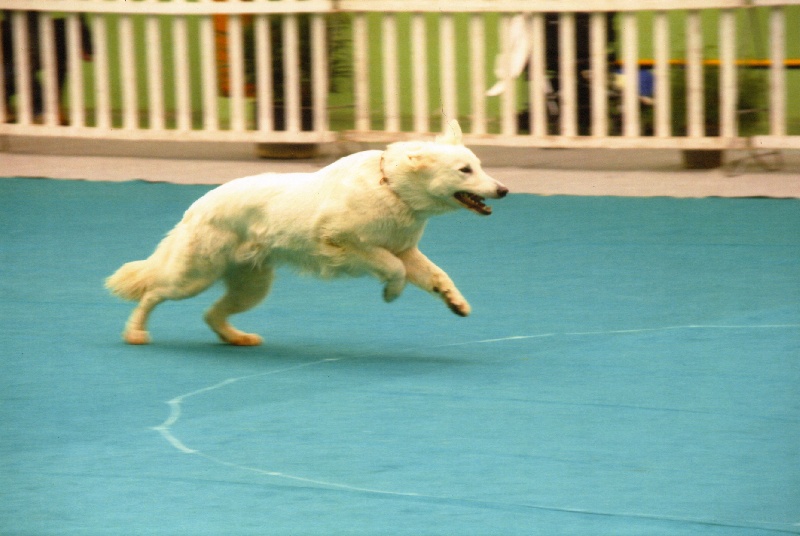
[631,367]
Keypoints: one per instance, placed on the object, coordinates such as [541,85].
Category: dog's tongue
[474,203]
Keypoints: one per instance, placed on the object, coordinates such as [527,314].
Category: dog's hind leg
[246,287]
[423,273]
[136,327]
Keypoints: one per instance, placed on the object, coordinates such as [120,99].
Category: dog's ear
[451,135]
[418,158]
[411,155]
[408,155]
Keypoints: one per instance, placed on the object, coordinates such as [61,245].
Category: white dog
[362,215]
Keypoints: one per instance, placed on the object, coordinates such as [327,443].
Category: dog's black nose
[502,191]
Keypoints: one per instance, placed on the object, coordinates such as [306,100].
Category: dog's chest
[391,233]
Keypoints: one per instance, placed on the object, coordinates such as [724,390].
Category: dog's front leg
[426,275]
[382,264]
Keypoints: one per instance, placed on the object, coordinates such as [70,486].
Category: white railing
[154,72]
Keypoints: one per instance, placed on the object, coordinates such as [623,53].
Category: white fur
[362,215]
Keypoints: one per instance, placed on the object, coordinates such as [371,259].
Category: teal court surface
[631,366]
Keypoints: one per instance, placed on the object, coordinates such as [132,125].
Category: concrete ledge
[620,172]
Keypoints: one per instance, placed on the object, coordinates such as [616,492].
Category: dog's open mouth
[473,202]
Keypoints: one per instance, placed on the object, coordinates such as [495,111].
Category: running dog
[362,215]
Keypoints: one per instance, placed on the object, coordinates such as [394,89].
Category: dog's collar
[384,178]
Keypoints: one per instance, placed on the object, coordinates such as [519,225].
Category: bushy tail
[131,281]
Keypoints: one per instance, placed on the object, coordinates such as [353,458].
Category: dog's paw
[461,308]
[392,290]
[456,302]
[136,336]
[243,339]
[230,334]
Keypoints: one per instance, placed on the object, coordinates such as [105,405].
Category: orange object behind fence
[222,55]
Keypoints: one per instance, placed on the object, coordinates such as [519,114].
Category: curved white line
[163,428]
[175,414]
[175,403]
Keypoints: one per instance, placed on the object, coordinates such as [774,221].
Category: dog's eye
[466,170]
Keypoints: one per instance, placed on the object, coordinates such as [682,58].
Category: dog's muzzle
[475,202]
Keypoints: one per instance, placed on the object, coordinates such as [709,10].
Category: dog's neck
[418,207]
[384,181]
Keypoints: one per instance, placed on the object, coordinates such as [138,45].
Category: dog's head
[440,176]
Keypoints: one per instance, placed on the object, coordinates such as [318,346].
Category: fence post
[568,87]
[695,85]
[391,103]
[291,70]
[22,66]
[508,99]
[599,80]
[319,73]
[130,96]
[50,88]
[419,73]
[538,85]
[265,92]
[235,41]
[661,72]
[208,69]
[181,64]
[630,69]
[477,54]
[102,82]
[777,72]
[728,87]
[155,78]
[447,62]
[361,72]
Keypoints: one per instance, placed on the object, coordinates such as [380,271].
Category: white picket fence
[116,104]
